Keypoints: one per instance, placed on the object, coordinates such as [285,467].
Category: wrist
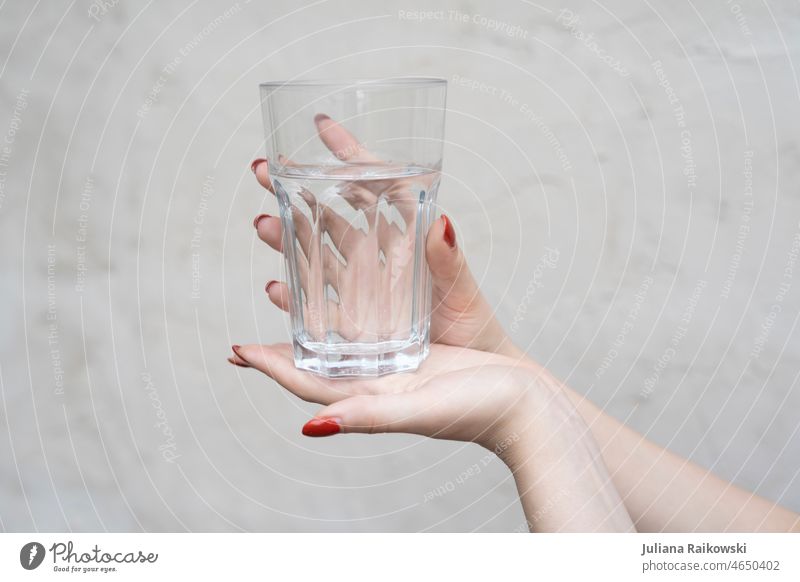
[540,418]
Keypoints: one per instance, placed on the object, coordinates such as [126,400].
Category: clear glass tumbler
[356,166]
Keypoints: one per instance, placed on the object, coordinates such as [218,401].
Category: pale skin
[576,468]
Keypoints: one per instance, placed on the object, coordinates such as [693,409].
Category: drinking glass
[356,166]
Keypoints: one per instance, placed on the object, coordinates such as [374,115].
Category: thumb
[402,412]
[450,274]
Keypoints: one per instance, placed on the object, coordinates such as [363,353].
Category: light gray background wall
[668,266]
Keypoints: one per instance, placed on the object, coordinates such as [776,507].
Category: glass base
[359,360]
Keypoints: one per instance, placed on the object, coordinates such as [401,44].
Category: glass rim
[346,83]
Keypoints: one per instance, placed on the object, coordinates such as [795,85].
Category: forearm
[664,492]
[562,481]
[661,490]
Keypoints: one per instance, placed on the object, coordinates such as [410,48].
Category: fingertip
[278,294]
[260,168]
[322,427]
[270,231]
[255,163]
[258,219]
[440,253]
[449,233]
[256,356]
[237,359]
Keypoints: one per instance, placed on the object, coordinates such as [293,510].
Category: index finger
[341,142]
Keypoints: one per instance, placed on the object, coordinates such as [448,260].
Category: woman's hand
[460,314]
[518,411]
[457,394]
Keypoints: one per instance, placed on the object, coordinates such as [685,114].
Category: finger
[361,195]
[304,231]
[278,293]
[269,230]
[341,142]
[302,274]
[339,228]
[260,168]
[371,414]
[457,301]
[333,270]
[236,361]
[277,362]
[450,274]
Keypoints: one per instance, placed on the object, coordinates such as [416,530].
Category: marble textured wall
[622,175]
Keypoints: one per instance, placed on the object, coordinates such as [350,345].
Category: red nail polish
[270,284]
[255,164]
[321,427]
[449,234]
[258,219]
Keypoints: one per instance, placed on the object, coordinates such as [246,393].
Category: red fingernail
[321,427]
[270,284]
[255,163]
[449,234]
[258,219]
[320,117]
[236,349]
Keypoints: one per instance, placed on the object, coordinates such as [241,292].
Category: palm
[457,393]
